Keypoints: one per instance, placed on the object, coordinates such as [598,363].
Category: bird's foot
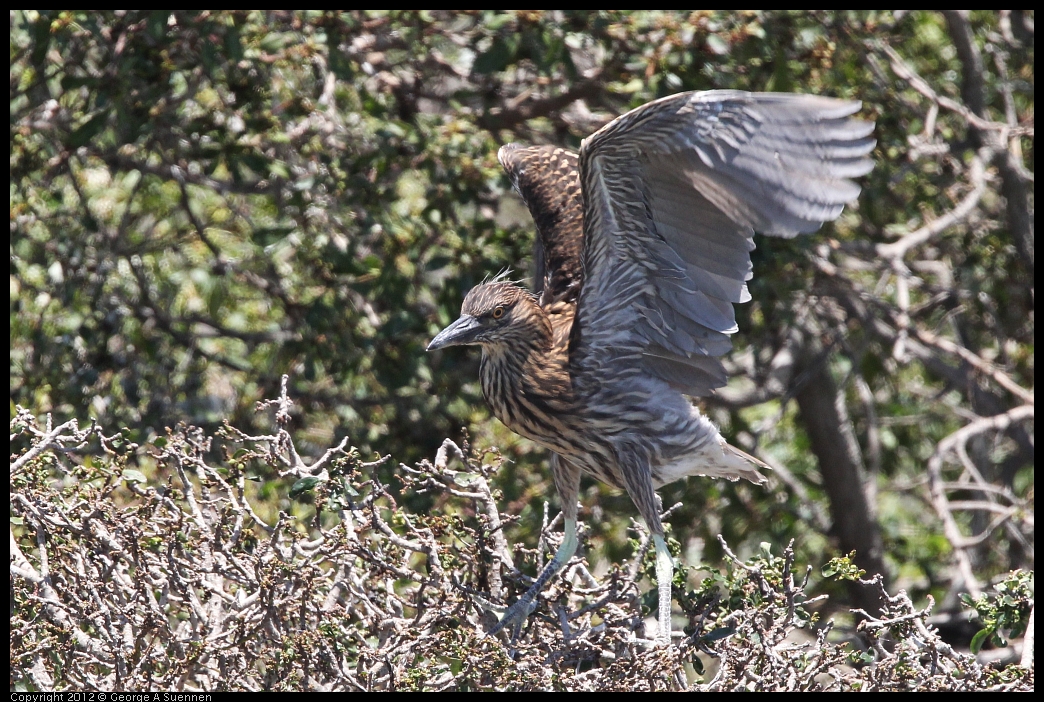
[516,616]
[518,613]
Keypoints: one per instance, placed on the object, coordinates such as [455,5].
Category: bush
[175,581]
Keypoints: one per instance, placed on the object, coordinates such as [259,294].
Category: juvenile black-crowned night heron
[644,245]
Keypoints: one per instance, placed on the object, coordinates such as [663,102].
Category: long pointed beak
[463,331]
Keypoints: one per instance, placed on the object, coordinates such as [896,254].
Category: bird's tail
[746,465]
[715,459]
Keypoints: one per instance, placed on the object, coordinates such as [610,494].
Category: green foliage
[1005,612]
[202,201]
[843,568]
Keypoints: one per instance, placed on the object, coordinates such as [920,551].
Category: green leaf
[134,476]
[88,130]
[157,23]
[266,236]
[979,639]
[278,169]
[719,634]
[41,40]
[498,20]
[303,485]
[717,44]
[465,479]
[73,82]
[273,42]
[498,56]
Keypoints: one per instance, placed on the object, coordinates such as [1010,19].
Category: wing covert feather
[548,180]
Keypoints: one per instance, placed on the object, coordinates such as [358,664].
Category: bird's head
[492,313]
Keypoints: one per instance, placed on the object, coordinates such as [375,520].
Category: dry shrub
[173,581]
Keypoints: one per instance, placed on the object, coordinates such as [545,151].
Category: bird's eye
[498,313]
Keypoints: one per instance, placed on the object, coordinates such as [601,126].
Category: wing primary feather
[672,195]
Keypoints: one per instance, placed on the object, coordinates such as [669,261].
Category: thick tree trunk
[833,440]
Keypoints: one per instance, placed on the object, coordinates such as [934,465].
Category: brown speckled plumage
[643,247]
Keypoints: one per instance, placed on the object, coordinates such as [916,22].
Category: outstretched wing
[672,194]
[548,180]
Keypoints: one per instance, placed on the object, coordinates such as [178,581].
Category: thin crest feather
[502,277]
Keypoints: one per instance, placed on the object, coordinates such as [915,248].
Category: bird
[642,250]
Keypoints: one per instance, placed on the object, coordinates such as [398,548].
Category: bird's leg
[567,480]
[638,481]
[664,577]
[516,614]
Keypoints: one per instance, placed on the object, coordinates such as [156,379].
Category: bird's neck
[526,346]
[526,379]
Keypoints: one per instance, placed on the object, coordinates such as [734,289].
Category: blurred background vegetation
[203,201]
